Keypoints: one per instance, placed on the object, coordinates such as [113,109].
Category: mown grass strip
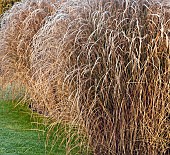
[20,136]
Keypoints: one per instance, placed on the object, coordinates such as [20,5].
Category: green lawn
[23,132]
[20,136]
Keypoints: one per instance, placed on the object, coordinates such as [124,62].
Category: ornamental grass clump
[101,69]
[107,62]
[18,26]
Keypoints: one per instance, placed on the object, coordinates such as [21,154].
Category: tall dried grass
[18,26]
[100,66]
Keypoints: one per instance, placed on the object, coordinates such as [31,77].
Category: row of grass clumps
[99,67]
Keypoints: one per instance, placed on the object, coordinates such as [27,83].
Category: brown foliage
[101,66]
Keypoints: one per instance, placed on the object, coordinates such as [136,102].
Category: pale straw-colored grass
[101,68]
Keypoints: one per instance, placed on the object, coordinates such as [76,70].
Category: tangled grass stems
[18,27]
[102,66]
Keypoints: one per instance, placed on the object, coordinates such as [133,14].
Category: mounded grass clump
[18,26]
[102,67]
